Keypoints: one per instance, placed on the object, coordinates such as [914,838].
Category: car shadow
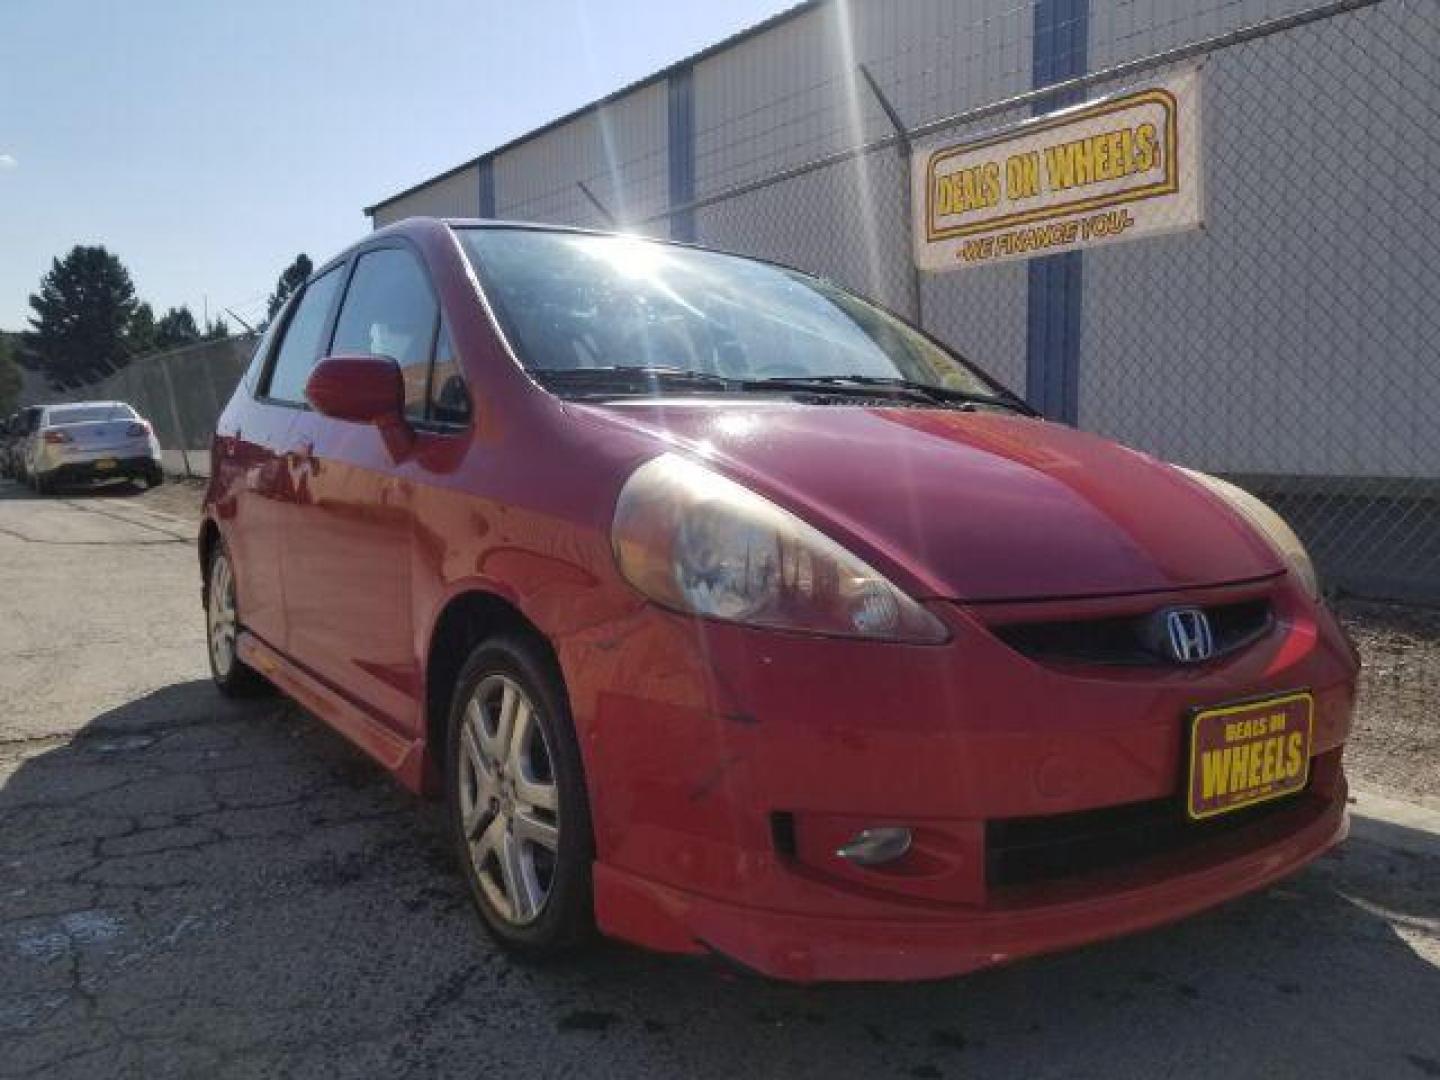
[99,489]
[192,884]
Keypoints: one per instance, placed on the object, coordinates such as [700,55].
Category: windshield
[571,302]
[85,414]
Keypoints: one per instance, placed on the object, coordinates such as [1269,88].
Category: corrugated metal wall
[1123,30]
[619,151]
[457,195]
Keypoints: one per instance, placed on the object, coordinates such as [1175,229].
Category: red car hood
[969,506]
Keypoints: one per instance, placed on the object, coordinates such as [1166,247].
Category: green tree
[140,335]
[175,328]
[9,377]
[295,275]
[217,329]
[82,313]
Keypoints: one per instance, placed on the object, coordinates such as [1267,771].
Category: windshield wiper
[868,384]
[634,378]
[654,378]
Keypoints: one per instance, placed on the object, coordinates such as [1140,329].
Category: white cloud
[8,162]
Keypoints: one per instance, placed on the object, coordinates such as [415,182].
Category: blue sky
[208,142]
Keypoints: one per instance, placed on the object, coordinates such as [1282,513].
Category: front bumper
[724,764]
[902,946]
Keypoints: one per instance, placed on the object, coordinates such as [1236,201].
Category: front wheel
[232,676]
[518,808]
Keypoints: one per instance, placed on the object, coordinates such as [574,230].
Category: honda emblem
[1188,636]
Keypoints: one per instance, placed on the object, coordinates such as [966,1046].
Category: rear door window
[299,350]
[86,414]
[389,310]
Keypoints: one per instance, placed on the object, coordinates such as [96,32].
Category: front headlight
[699,543]
[1269,524]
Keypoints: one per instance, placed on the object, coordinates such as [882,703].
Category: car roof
[420,226]
[417,226]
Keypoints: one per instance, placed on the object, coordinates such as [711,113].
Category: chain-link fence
[1291,344]
[181,392]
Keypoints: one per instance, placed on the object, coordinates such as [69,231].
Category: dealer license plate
[105,463]
[1241,755]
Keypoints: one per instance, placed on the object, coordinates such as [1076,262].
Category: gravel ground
[1396,742]
[179,497]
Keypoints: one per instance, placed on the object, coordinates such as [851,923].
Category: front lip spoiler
[818,948]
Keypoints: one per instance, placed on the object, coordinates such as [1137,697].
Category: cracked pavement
[190,886]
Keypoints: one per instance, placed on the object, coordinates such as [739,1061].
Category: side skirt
[400,756]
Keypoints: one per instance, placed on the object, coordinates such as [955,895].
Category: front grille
[1020,851]
[1129,639]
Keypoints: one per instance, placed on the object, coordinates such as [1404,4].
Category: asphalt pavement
[193,887]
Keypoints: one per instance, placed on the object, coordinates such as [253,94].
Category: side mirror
[362,389]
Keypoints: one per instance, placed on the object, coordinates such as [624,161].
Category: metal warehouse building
[1293,341]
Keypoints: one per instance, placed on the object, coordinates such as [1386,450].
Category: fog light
[871,847]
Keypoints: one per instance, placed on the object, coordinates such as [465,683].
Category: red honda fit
[733,615]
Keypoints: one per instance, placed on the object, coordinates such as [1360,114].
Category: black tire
[566,919]
[43,485]
[154,476]
[238,679]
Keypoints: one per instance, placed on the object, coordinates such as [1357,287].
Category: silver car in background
[91,440]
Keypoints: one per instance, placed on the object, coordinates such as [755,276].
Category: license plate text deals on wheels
[1245,754]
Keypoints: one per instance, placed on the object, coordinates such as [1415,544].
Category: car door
[252,452]
[347,557]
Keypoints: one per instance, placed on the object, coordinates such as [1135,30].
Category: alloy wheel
[220,616]
[509,801]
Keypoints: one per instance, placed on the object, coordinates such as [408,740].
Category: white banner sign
[1115,169]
